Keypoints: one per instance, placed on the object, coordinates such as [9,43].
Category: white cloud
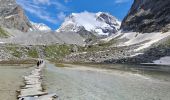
[39,8]
[66,1]
[41,1]
[61,16]
[121,1]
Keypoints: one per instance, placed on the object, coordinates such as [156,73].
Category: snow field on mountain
[163,61]
[91,22]
[144,39]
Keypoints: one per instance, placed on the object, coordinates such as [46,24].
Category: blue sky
[53,12]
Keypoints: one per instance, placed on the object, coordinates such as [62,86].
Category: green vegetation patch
[166,43]
[97,47]
[57,51]
[3,33]
[15,51]
[33,53]
[19,51]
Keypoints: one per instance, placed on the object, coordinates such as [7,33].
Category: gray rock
[12,16]
[43,38]
[148,16]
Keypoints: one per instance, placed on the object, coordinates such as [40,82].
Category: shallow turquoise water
[11,79]
[84,83]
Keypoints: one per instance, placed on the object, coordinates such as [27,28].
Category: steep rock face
[96,23]
[12,16]
[148,16]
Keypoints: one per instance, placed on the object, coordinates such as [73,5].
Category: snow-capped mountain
[100,23]
[40,27]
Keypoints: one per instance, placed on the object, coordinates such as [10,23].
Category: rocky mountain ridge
[148,16]
[39,27]
[12,16]
[43,38]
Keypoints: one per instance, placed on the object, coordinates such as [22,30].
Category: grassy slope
[101,46]
[57,51]
[3,33]
[50,52]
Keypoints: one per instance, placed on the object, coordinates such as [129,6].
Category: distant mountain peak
[40,27]
[100,23]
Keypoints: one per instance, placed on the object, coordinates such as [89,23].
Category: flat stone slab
[45,97]
[33,86]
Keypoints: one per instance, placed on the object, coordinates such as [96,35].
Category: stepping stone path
[33,86]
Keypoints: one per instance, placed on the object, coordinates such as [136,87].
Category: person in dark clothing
[38,63]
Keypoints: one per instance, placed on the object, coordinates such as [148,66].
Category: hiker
[41,61]
[38,63]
